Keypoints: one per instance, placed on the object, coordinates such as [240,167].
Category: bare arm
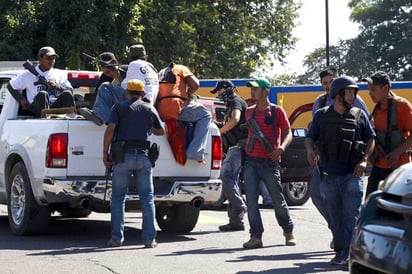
[392,158]
[286,139]
[193,84]
[158,131]
[18,96]
[236,114]
[361,166]
[311,154]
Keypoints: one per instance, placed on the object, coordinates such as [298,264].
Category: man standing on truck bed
[54,92]
[177,101]
[132,121]
[269,134]
[141,69]
[234,139]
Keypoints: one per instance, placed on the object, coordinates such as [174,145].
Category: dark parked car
[382,240]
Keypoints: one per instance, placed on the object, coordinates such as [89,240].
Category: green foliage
[223,38]
[70,27]
[383,44]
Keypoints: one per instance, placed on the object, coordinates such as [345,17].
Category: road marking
[208,219]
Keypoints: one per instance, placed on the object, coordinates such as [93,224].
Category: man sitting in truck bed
[108,93]
[55,91]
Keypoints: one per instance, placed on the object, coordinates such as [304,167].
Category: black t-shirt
[236,133]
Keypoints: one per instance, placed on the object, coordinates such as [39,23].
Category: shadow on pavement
[73,236]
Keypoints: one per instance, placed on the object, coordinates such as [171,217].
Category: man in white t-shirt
[55,91]
[144,71]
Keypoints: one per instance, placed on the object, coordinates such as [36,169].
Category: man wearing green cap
[263,153]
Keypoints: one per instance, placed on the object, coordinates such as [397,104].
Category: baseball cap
[222,84]
[263,83]
[47,51]
[107,59]
[137,51]
[378,78]
[135,85]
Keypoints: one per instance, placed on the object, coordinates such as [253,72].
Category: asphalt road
[78,246]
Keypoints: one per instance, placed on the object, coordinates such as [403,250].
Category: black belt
[137,144]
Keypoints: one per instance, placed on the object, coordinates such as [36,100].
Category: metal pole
[327,32]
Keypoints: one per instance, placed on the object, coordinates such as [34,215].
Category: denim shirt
[107,95]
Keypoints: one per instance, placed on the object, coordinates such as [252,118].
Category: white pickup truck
[55,165]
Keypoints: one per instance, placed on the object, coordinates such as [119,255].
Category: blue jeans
[256,170]
[343,196]
[266,199]
[138,164]
[199,115]
[315,194]
[229,174]
[107,95]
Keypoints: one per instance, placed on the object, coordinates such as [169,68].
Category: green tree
[71,27]
[386,35]
[225,38]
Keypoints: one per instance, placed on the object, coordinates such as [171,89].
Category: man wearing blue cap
[269,134]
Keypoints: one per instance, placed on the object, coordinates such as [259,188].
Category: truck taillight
[83,75]
[56,155]
[216,152]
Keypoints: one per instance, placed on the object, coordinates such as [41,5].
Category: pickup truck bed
[55,164]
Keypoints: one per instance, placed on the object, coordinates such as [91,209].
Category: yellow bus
[293,97]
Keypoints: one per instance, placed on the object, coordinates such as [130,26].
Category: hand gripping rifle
[41,80]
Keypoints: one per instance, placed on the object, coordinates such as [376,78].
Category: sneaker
[152,244]
[113,243]
[231,227]
[290,239]
[89,115]
[341,258]
[253,243]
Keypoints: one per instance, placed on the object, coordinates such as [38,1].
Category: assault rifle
[108,175]
[94,60]
[41,79]
[259,134]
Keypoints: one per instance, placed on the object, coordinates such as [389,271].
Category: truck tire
[25,215]
[296,193]
[177,218]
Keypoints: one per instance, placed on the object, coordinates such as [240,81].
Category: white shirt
[29,81]
[145,72]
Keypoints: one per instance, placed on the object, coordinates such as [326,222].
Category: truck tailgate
[166,165]
[86,149]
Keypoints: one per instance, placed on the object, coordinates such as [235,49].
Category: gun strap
[254,138]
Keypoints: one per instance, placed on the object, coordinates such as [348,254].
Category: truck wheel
[75,212]
[24,214]
[177,218]
[296,193]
